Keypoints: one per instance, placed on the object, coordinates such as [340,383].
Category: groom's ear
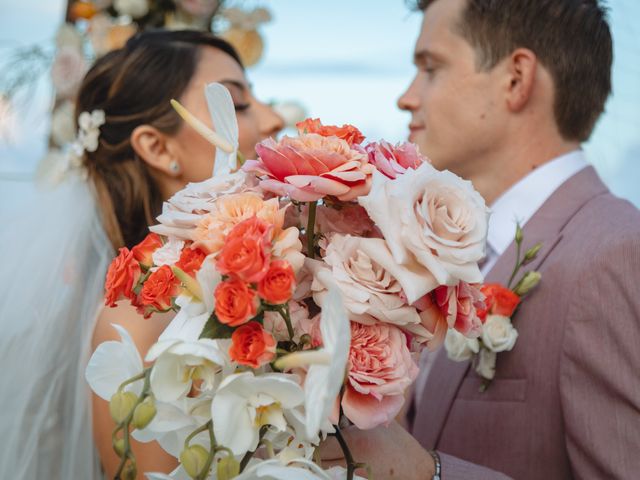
[522,69]
[154,148]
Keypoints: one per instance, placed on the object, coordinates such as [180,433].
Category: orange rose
[191,260]
[245,258]
[349,133]
[277,285]
[144,250]
[499,300]
[252,345]
[159,289]
[236,303]
[122,276]
[252,227]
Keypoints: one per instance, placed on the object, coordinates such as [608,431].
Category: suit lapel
[545,226]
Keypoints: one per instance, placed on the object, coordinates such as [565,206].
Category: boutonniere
[497,333]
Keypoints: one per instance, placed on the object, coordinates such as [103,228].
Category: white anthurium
[244,403]
[225,138]
[327,365]
[179,363]
[112,363]
[174,422]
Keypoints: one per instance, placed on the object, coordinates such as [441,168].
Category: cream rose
[371,291]
[459,347]
[498,334]
[433,219]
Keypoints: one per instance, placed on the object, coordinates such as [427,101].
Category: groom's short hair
[571,39]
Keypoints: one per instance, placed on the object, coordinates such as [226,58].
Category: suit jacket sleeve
[600,364]
[456,469]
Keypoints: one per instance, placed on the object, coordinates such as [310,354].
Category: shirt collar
[522,200]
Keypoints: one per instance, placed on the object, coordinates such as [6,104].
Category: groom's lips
[413,129]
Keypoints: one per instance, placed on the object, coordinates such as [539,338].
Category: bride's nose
[269,122]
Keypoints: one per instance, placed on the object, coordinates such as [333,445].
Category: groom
[504,95]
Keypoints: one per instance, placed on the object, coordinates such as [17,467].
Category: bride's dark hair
[133,86]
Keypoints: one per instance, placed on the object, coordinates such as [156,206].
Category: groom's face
[454,105]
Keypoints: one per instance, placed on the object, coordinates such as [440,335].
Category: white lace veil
[53,258]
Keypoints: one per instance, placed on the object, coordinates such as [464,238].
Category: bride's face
[256,120]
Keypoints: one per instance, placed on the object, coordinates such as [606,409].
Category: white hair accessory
[89,129]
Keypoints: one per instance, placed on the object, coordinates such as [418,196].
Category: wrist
[437,467]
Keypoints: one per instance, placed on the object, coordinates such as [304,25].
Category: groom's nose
[410,99]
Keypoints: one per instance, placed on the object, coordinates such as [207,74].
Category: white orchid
[327,365]
[178,363]
[112,363]
[244,403]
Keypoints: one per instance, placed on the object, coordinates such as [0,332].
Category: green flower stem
[311,223]
[212,450]
[140,376]
[247,456]
[283,310]
[517,266]
[196,432]
[351,464]
[127,453]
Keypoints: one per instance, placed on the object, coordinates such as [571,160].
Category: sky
[346,62]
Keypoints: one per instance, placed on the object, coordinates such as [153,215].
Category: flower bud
[121,405]
[130,471]
[194,459]
[144,413]
[519,234]
[531,254]
[118,447]
[228,468]
[528,283]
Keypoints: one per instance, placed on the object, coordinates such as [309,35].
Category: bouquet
[304,285]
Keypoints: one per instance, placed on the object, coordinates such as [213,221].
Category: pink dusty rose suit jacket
[565,402]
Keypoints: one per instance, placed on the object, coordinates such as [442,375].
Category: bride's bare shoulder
[144,331]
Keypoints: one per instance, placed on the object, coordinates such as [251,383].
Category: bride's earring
[174,166]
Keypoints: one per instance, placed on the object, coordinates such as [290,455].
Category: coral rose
[277,285]
[499,300]
[190,260]
[394,160]
[252,345]
[310,167]
[143,252]
[236,303]
[380,368]
[348,133]
[245,258]
[122,276]
[159,290]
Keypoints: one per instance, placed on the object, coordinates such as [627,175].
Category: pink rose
[459,305]
[380,368]
[310,167]
[394,160]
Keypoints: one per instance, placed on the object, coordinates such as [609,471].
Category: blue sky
[348,61]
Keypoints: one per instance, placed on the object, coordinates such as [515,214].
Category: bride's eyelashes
[242,107]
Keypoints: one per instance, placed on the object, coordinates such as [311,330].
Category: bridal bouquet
[304,286]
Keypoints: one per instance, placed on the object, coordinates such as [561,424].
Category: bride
[132,152]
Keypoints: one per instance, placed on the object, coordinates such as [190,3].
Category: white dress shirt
[522,200]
